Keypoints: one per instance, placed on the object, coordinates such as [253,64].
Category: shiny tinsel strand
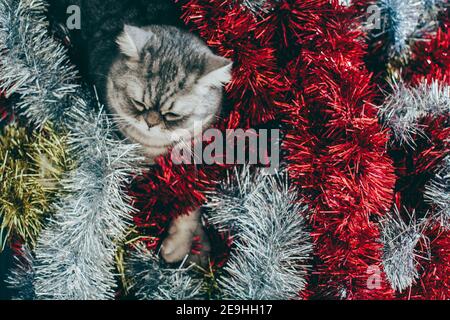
[399,252]
[336,151]
[403,110]
[34,66]
[153,280]
[74,256]
[405,22]
[438,194]
[32,163]
[75,253]
[272,248]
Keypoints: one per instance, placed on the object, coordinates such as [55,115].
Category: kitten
[154,78]
[164,80]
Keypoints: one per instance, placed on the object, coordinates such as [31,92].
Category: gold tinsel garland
[31,166]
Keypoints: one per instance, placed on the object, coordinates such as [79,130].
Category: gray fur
[136,49]
[163,80]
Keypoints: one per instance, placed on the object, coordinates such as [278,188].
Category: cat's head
[162,81]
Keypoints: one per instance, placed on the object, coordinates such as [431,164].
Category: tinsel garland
[429,59]
[153,280]
[271,252]
[418,113]
[402,24]
[438,194]
[296,62]
[74,256]
[406,106]
[33,65]
[336,149]
[406,22]
[272,248]
[31,168]
[400,256]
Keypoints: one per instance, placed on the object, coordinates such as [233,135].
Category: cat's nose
[152,118]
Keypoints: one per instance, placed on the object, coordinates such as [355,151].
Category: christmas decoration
[74,256]
[401,24]
[403,110]
[429,59]
[417,111]
[438,194]
[365,212]
[407,21]
[43,86]
[272,248]
[400,256]
[32,165]
[336,149]
[154,281]
[434,281]
[96,201]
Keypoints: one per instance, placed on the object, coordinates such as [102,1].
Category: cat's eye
[140,106]
[170,116]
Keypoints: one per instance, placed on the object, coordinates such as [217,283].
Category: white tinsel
[74,257]
[153,280]
[406,21]
[406,106]
[399,252]
[33,65]
[272,247]
[75,253]
[438,194]
[258,7]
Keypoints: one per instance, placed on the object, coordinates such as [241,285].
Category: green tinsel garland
[31,166]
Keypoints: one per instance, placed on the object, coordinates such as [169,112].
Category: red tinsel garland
[337,151]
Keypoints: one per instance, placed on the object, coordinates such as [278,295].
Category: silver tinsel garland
[153,280]
[438,194]
[406,21]
[74,258]
[75,253]
[406,106]
[399,252]
[34,66]
[272,247]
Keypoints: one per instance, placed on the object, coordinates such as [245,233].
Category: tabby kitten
[155,79]
[164,80]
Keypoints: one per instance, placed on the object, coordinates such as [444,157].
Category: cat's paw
[178,244]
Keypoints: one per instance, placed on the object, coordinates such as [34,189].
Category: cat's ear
[217,71]
[132,40]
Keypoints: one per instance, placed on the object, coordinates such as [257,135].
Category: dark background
[5,265]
